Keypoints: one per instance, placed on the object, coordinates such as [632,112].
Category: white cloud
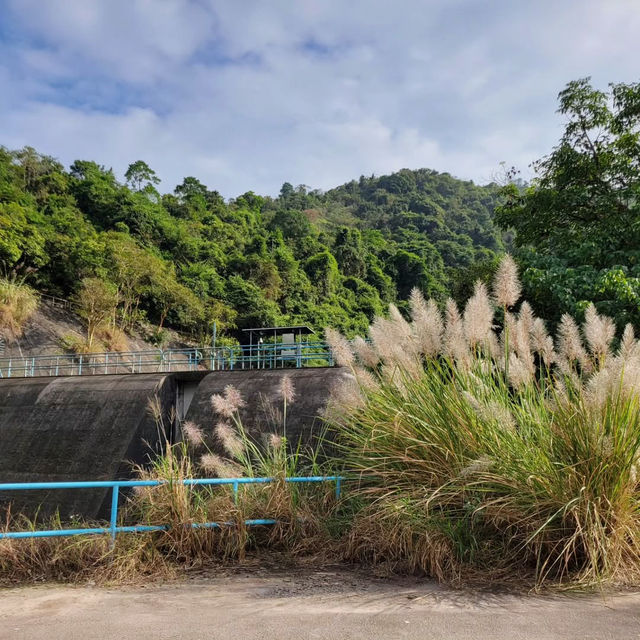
[247,95]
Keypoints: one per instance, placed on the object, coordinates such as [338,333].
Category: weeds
[18,302]
[302,512]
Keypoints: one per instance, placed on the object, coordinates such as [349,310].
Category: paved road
[333,604]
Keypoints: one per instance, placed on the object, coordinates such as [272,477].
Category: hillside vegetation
[188,258]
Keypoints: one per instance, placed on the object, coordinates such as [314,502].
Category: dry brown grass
[18,302]
[77,558]
[112,338]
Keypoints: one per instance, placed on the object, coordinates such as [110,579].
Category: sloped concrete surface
[76,428]
[261,391]
[97,427]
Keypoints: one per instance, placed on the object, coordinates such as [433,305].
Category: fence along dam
[97,426]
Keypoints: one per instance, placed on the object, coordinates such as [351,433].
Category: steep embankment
[46,332]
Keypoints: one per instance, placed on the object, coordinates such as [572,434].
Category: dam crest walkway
[250,357]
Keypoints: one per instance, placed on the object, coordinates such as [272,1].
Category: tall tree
[578,224]
[140,175]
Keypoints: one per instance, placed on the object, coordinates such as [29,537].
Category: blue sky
[246,95]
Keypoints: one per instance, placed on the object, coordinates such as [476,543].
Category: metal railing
[265,356]
[113,529]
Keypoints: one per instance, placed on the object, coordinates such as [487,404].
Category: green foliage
[578,224]
[96,303]
[187,258]
[18,302]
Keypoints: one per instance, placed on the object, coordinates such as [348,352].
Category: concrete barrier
[55,429]
[260,390]
[99,427]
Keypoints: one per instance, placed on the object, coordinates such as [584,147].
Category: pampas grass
[519,462]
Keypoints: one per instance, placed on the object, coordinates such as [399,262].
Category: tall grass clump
[18,302]
[494,451]
[227,449]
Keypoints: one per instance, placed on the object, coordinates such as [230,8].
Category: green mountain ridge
[188,258]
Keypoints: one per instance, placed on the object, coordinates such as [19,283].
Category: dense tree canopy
[188,258]
[578,224]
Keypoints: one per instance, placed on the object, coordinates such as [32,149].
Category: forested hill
[186,258]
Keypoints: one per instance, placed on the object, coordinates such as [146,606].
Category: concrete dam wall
[99,427]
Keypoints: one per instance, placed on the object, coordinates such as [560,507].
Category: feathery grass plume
[346,397]
[366,354]
[287,389]
[570,347]
[600,386]
[506,284]
[274,441]
[193,433]
[491,410]
[340,347]
[366,379]
[455,345]
[229,439]
[526,317]
[218,466]
[234,397]
[521,337]
[427,324]
[394,342]
[519,373]
[154,408]
[628,344]
[478,318]
[542,342]
[228,403]
[599,331]
[379,332]
[401,328]
[480,465]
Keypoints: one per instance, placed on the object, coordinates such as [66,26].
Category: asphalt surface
[331,603]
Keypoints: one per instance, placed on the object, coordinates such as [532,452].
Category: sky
[246,95]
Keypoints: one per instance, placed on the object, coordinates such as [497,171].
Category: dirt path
[332,603]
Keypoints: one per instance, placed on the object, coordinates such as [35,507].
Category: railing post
[113,521]
[338,487]
[235,492]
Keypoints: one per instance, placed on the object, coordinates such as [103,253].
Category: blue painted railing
[257,356]
[115,485]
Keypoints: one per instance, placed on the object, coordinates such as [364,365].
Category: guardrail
[113,529]
[265,356]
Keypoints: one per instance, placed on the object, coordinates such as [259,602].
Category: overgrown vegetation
[18,303]
[482,445]
[304,512]
[577,224]
[503,455]
[188,258]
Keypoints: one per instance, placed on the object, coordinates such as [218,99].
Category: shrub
[18,302]
[498,453]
